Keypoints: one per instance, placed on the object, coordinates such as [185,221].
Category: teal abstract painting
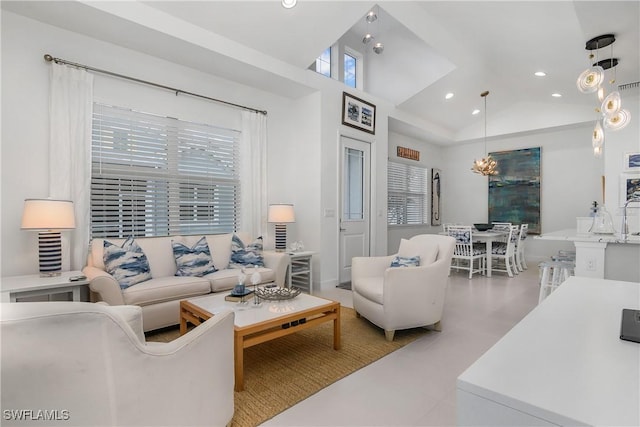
[514,193]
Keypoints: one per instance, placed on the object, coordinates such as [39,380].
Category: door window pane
[354,185]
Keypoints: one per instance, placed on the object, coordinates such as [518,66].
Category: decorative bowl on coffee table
[278,293]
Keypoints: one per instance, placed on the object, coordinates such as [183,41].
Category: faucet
[635,197]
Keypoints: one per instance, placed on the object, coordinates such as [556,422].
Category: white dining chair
[520,258]
[466,254]
[503,251]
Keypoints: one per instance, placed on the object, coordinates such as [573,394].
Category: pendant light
[487,165]
[612,115]
[618,120]
[597,139]
[590,80]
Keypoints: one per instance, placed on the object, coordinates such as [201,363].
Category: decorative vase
[239,289]
[602,222]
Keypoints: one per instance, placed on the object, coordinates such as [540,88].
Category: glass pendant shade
[378,48]
[597,151]
[598,135]
[590,79]
[618,120]
[611,104]
[600,94]
[367,38]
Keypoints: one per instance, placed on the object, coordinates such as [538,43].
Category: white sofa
[83,364]
[160,297]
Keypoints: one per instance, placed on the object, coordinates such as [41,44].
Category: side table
[33,285]
[301,270]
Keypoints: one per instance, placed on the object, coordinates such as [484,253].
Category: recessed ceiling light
[540,73]
[476,111]
[288,4]
[448,96]
[556,95]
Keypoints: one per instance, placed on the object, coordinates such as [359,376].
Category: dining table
[487,237]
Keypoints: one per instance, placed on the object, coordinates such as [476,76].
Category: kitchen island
[591,252]
[563,364]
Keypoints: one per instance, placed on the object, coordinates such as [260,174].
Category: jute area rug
[280,373]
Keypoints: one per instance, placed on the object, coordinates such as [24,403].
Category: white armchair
[82,364]
[404,297]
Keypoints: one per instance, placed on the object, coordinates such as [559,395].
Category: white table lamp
[281,215]
[48,216]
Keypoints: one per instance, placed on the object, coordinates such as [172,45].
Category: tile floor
[415,386]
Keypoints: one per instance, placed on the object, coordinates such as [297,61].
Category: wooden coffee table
[255,325]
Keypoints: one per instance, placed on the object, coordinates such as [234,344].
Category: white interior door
[355,200]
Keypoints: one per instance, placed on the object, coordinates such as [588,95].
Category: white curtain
[253,173]
[70,110]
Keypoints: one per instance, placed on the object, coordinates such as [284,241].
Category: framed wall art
[629,187]
[358,113]
[631,162]
[514,193]
[435,196]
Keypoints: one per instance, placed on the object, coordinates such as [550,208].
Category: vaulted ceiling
[431,48]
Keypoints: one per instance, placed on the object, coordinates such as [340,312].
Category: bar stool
[552,275]
[565,256]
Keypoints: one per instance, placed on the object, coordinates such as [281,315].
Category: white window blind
[160,176]
[407,193]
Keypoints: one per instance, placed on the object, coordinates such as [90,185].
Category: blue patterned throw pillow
[250,254]
[127,263]
[193,261]
[401,261]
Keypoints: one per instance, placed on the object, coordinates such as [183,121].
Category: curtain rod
[50,58]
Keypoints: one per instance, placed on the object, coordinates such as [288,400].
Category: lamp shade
[281,214]
[48,214]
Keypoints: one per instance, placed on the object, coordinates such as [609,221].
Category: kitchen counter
[591,249]
[572,235]
[563,364]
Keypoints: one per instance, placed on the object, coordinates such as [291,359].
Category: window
[159,176]
[407,188]
[350,70]
[323,63]
[353,68]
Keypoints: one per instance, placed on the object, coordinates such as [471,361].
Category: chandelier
[611,115]
[487,165]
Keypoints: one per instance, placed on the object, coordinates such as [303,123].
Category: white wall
[570,177]
[25,83]
[570,182]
